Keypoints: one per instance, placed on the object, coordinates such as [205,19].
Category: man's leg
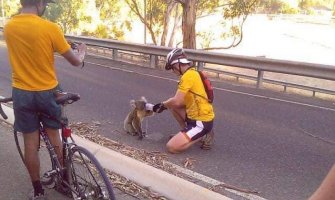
[326,190]
[179,143]
[179,114]
[56,142]
[31,157]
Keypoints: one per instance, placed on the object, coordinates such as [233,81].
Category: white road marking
[221,89]
[214,182]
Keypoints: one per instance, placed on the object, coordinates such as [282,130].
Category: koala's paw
[132,133]
[142,135]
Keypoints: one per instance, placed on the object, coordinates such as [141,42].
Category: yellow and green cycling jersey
[197,107]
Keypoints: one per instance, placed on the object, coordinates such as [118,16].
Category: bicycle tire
[87,176]
[19,144]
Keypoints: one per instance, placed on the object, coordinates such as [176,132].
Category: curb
[168,185]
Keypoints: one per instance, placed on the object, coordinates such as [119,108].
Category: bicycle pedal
[50,173]
[48,182]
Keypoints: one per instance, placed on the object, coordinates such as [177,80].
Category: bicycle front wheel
[87,177]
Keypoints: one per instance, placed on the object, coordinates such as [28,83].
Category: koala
[133,122]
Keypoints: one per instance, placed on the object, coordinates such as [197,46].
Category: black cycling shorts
[196,129]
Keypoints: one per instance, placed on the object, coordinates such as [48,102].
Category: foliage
[68,14]
[273,6]
[112,25]
[234,15]
[11,7]
[152,17]
[280,6]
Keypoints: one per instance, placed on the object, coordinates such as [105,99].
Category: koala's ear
[144,99]
[133,103]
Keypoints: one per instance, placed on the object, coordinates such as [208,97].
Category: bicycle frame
[58,169]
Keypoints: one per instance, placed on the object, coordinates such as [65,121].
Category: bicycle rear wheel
[87,177]
[18,137]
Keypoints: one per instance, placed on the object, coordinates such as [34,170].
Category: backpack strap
[199,95]
[204,89]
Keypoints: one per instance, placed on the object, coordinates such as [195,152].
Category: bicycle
[82,175]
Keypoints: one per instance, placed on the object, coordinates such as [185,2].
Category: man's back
[197,105]
[31,43]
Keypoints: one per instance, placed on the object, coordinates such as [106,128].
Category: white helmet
[176,56]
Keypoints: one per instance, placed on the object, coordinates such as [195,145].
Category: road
[278,144]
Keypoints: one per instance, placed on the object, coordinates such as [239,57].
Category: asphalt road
[278,144]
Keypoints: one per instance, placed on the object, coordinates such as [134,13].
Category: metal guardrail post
[153,61]
[260,78]
[200,66]
[115,54]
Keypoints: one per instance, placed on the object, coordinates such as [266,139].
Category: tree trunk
[175,27]
[188,25]
[167,18]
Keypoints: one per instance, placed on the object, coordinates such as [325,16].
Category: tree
[188,23]
[232,9]
[171,4]
[191,10]
[113,24]
[154,20]
[272,6]
[11,8]
[68,14]
[305,4]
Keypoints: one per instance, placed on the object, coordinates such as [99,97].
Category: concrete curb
[170,186]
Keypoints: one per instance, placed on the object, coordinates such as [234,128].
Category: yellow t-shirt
[31,43]
[197,107]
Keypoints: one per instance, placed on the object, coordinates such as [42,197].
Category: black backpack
[208,88]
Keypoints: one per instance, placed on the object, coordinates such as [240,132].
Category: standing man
[190,105]
[31,42]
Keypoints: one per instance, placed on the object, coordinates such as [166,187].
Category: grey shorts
[27,106]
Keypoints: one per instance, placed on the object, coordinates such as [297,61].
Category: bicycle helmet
[176,56]
[34,2]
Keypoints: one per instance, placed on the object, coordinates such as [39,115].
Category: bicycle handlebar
[2,113]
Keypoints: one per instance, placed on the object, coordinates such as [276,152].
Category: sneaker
[37,197]
[207,141]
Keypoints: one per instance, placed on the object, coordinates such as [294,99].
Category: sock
[37,188]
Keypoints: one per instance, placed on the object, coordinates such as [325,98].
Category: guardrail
[256,63]
[259,64]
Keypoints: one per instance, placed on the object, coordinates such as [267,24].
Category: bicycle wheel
[87,177]
[18,137]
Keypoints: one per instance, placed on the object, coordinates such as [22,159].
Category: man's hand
[158,108]
[82,51]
